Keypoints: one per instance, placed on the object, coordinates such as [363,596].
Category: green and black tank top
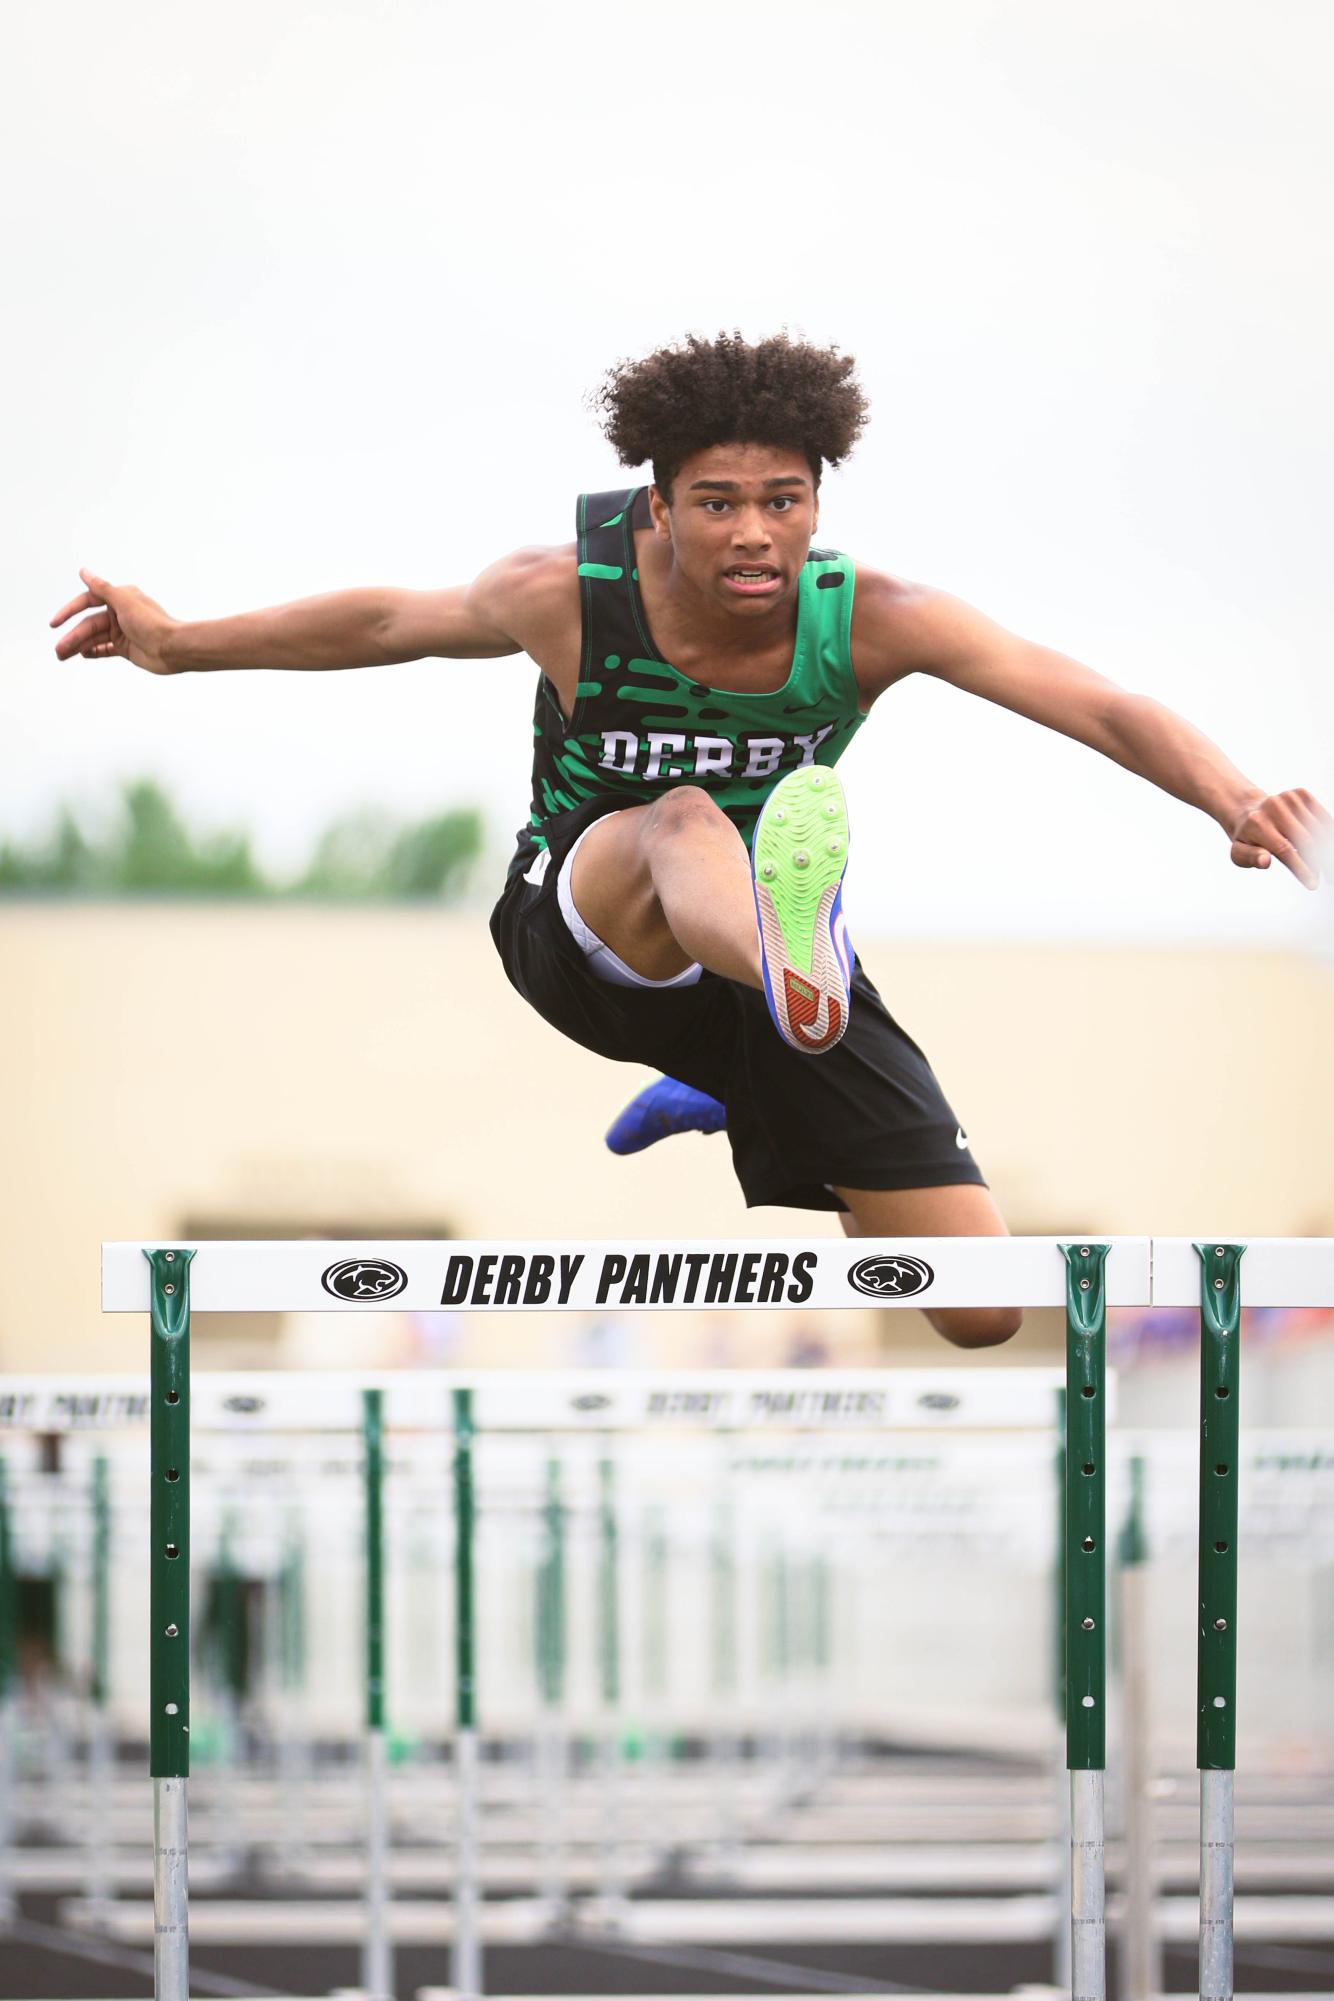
[639,726]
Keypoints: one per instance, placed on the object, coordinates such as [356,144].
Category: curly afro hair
[682,399]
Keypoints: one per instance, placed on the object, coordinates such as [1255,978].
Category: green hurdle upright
[466,1953]
[169,1614]
[1086,1612]
[377,1952]
[550,1636]
[290,1653]
[99,1744]
[609,1663]
[726,1748]
[656,1559]
[1216,1686]
[100,1636]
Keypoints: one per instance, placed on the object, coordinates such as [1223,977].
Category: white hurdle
[425,1277]
[826,1273]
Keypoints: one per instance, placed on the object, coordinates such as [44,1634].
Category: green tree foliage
[154,853]
[147,849]
[370,855]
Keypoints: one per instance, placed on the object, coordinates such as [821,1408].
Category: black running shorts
[869,1114]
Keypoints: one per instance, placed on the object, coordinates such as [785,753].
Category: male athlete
[675,899]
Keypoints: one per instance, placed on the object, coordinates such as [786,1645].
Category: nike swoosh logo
[961,1138]
[817,1031]
[814,1019]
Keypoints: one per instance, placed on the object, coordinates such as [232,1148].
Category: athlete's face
[740,522]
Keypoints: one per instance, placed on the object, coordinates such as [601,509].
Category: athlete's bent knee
[978,1327]
[682,810]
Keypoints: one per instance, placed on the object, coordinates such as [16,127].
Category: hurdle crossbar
[661,1402]
[431,1276]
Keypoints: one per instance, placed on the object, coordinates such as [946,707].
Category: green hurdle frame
[169,1614]
[377,1956]
[609,1680]
[1216,1681]
[466,1949]
[1085,1623]
[550,1638]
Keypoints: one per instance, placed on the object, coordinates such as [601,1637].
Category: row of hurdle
[169,1281]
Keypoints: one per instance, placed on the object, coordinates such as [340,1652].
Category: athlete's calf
[960,1209]
[976,1326]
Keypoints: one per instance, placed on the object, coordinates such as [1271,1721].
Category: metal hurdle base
[1216,1872]
[171,1937]
[1088,1895]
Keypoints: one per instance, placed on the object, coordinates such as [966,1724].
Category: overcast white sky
[301,296]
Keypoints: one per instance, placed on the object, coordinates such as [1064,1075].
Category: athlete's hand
[124,622]
[1291,827]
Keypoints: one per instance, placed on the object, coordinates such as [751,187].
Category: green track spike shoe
[797,858]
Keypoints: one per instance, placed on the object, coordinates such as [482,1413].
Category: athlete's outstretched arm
[356,628]
[905,628]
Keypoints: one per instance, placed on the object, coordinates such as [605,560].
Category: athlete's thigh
[961,1210]
[613,892]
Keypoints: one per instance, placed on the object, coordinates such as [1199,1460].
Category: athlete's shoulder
[536,569]
[530,586]
[883,595]
[892,618]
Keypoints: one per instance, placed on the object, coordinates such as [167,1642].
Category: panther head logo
[892,1275]
[364,1278]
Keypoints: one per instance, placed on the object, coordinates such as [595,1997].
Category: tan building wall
[167,1068]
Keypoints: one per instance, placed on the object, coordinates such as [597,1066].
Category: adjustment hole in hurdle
[173,1396]
[1089,1469]
[1088,1390]
[1218,1285]
[1087,1624]
[1220,1702]
[1222,1469]
[1085,1285]
[1088,1702]
[172,1632]
[1222,1391]
[172,1709]
[1088,1544]
[172,1551]
[173,1472]
[1220,1549]
[1220,1625]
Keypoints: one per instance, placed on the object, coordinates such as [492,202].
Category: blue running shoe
[797,859]
[662,1109]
